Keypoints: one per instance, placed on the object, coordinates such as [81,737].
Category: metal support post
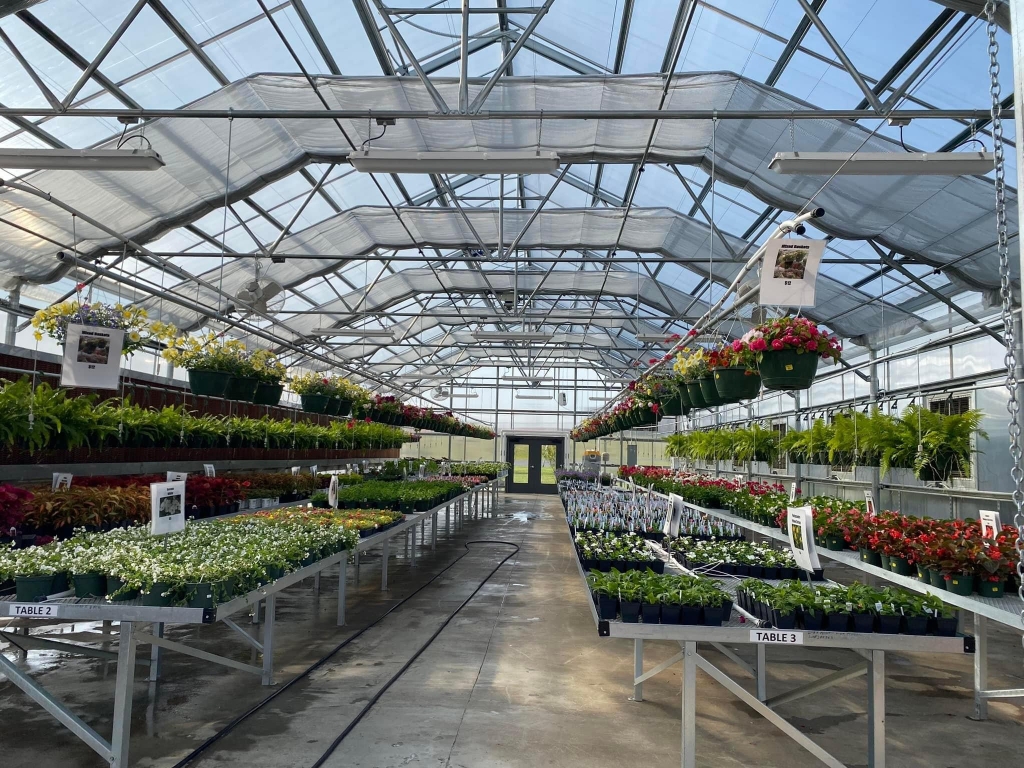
[124,682]
[876,710]
[357,564]
[412,544]
[384,565]
[980,667]
[762,673]
[342,578]
[689,705]
[316,584]
[638,669]
[433,532]
[798,468]
[154,653]
[268,641]
[256,612]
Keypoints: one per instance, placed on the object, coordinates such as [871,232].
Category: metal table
[743,629]
[131,613]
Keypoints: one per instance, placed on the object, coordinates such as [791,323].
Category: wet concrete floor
[518,678]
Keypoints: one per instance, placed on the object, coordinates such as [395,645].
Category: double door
[533,462]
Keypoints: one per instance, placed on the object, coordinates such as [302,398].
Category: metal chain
[1006,293]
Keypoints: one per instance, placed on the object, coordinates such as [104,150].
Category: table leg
[638,668]
[154,652]
[316,584]
[124,682]
[357,565]
[384,565]
[256,612]
[433,532]
[412,544]
[268,641]
[689,745]
[762,673]
[342,578]
[980,667]
[876,710]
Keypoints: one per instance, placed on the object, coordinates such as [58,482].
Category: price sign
[332,492]
[61,481]
[869,503]
[991,525]
[776,637]
[209,470]
[312,470]
[295,470]
[801,537]
[173,477]
[674,516]
[32,610]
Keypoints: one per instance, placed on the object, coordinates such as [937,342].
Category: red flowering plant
[795,333]
[12,507]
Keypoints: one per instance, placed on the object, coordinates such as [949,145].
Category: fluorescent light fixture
[372,160]
[464,395]
[656,338]
[883,163]
[81,159]
[520,396]
[527,378]
[511,336]
[362,333]
[598,399]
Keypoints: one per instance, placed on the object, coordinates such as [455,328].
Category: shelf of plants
[209,572]
[689,606]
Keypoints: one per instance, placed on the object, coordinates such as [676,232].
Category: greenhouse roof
[254,107]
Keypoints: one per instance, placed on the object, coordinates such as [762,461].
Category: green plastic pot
[787,369]
[344,407]
[960,584]
[993,589]
[114,584]
[684,395]
[737,383]
[200,595]
[671,406]
[241,388]
[315,403]
[90,585]
[871,558]
[644,417]
[936,579]
[30,588]
[709,390]
[210,383]
[267,394]
[835,543]
[333,406]
[696,394]
[900,566]
[155,596]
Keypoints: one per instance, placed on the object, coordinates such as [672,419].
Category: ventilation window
[951,406]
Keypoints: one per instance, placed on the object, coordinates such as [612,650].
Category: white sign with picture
[209,470]
[332,492]
[173,477]
[61,481]
[167,505]
[789,272]
[991,525]
[801,537]
[92,357]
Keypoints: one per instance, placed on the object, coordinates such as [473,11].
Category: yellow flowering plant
[209,353]
[266,367]
[691,364]
[53,321]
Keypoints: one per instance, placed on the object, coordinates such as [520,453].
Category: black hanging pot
[709,390]
[787,369]
[737,383]
[345,407]
[268,394]
[696,395]
[241,388]
[211,383]
[315,403]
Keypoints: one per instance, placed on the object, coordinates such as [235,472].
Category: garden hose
[191,756]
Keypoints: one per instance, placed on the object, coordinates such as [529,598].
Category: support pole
[342,578]
[433,532]
[384,565]
[123,684]
[876,710]
[762,673]
[268,640]
[638,669]
[980,667]
[154,653]
[689,705]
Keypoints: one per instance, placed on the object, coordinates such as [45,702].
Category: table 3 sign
[776,637]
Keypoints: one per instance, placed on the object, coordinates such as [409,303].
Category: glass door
[534,461]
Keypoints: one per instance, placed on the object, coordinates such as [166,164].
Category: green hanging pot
[333,406]
[671,406]
[209,383]
[684,394]
[737,383]
[241,388]
[709,390]
[787,369]
[268,394]
[344,407]
[696,394]
[315,403]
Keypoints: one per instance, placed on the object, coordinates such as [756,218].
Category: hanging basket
[315,403]
[333,405]
[210,383]
[344,407]
[268,394]
[737,383]
[787,369]
[709,390]
[696,395]
[684,395]
[241,388]
[671,406]
[644,417]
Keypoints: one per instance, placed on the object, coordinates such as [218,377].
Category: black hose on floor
[330,654]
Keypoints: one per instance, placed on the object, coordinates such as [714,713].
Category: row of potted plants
[740,558]
[207,563]
[934,445]
[781,354]
[364,522]
[408,497]
[45,418]
[853,608]
[600,509]
[659,598]
[623,552]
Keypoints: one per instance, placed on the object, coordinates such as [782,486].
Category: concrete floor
[518,679]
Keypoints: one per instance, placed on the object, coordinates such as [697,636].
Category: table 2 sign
[32,610]
[776,637]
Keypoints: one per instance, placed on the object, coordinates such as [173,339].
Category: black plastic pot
[31,588]
[696,395]
[90,584]
[267,394]
[787,369]
[114,584]
[670,614]
[241,388]
[630,611]
[713,615]
[211,383]
[945,627]
[333,406]
[869,557]
[608,607]
[812,620]
[917,625]
[889,625]
[710,391]
[900,566]
[783,620]
[684,396]
[838,622]
[315,403]
[651,613]
[863,622]
[690,614]
[155,596]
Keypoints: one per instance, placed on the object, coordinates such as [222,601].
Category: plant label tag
[792,491]
[869,503]
[173,477]
[776,637]
[209,470]
[801,537]
[295,470]
[312,470]
[672,519]
[991,525]
[167,506]
[92,357]
[332,492]
[61,481]
[33,610]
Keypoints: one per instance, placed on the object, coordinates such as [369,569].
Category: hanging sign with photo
[167,505]
[332,492]
[61,481]
[789,272]
[92,357]
[801,537]
[991,525]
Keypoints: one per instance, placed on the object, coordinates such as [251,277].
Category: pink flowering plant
[796,333]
